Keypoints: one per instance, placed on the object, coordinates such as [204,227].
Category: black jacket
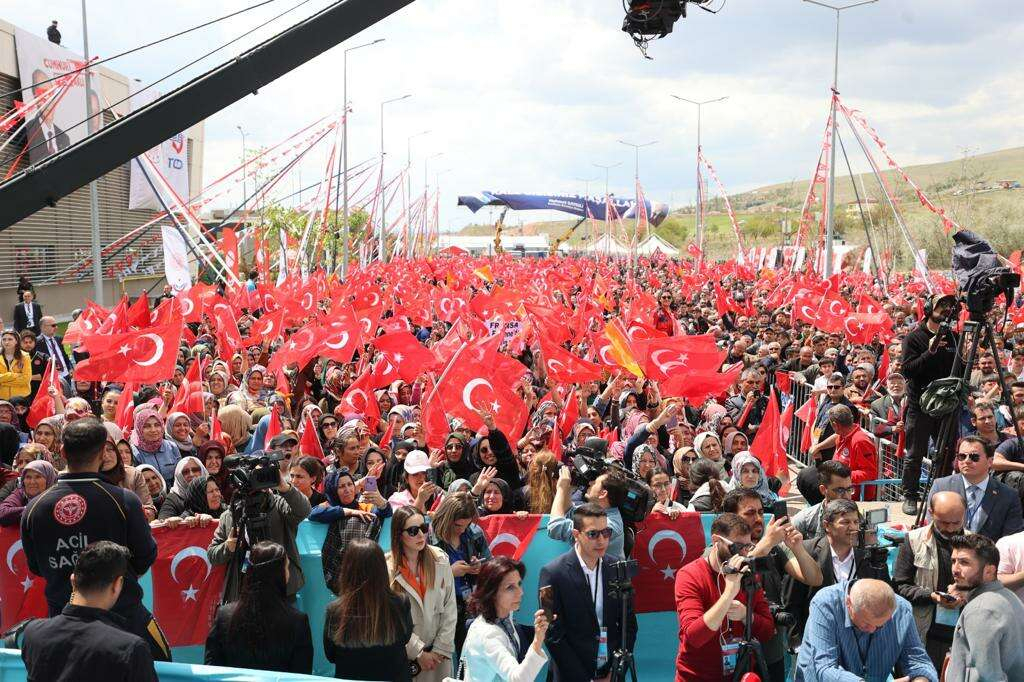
[289,651]
[83,643]
[78,510]
[921,367]
[385,662]
[21,318]
[573,635]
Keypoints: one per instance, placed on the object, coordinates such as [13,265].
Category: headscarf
[579,426]
[659,461]
[14,412]
[307,412]
[333,382]
[248,373]
[114,432]
[538,415]
[114,474]
[698,441]
[195,498]
[41,467]
[179,476]
[728,440]
[235,422]
[331,488]
[506,498]
[404,412]
[762,489]
[21,419]
[227,383]
[464,467]
[221,476]
[141,417]
[187,447]
[10,443]
[632,422]
[454,486]
[56,423]
[150,467]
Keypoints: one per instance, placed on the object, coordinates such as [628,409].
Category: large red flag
[189,397]
[309,443]
[769,444]
[21,593]
[145,357]
[509,535]
[565,367]
[808,414]
[126,407]
[468,387]
[43,405]
[663,546]
[186,586]
[359,398]
[409,357]
[435,423]
[697,387]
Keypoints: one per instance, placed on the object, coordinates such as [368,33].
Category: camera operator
[284,509]
[80,509]
[782,546]
[839,557]
[928,353]
[607,491]
[712,608]
[924,570]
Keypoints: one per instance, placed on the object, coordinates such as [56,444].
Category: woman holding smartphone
[494,641]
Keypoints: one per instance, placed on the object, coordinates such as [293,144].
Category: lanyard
[597,583]
[863,653]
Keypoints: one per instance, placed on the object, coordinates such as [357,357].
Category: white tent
[654,244]
[608,245]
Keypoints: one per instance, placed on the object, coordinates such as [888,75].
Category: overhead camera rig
[647,20]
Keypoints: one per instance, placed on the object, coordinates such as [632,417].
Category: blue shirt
[561,529]
[834,650]
[164,459]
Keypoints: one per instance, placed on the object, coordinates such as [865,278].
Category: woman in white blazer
[491,651]
[424,573]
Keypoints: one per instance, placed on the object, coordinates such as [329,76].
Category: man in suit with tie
[52,346]
[28,314]
[993,508]
[588,625]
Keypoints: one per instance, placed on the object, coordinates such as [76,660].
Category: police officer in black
[82,508]
[928,353]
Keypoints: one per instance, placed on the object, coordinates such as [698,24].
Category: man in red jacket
[712,609]
[855,448]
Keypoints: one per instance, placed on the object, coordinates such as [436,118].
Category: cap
[417,462]
[282,439]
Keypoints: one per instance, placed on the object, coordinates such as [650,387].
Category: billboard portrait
[170,158]
[53,128]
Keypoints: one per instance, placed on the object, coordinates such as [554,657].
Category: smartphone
[946,596]
[370,484]
[780,509]
[547,601]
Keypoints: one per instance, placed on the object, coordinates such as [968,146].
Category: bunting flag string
[728,207]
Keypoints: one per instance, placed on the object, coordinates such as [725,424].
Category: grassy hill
[967,188]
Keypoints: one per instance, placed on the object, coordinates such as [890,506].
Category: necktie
[510,631]
[56,354]
[972,505]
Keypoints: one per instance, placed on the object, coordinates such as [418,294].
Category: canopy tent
[608,245]
[654,244]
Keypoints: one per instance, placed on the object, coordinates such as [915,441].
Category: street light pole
[382,247]
[607,218]
[426,194]
[698,218]
[344,157]
[245,169]
[636,177]
[94,197]
[408,191]
[830,228]
[586,198]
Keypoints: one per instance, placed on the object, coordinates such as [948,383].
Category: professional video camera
[648,19]
[980,273]
[877,555]
[588,462]
[256,471]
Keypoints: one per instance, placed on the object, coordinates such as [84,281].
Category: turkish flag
[338,339]
[21,593]
[138,313]
[189,397]
[87,323]
[116,321]
[228,247]
[309,442]
[193,301]
[509,535]
[274,426]
[639,332]
[229,340]
[565,367]
[883,366]
[696,387]
[663,546]
[831,314]
[769,444]
[676,354]
[805,307]
[126,407]
[369,321]
[267,328]
[570,414]
[465,390]
[435,422]
[186,587]
[146,356]
[784,381]
[359,398]
[409,357]
[43,405]
[808,414]
[448,306]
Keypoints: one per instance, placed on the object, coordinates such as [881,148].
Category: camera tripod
[979,331]
[750,657]
[622,658]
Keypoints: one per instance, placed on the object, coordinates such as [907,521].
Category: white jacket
[433,616]
[490,656]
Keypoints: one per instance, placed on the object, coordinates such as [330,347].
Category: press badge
[602,648]
[946,616]
[730,654]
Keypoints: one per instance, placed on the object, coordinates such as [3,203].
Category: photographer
[782,545]
[748,407]
[928,353]
[607,491]
[838,556]
[712,608]
[284,509]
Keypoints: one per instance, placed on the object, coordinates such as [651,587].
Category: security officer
[82,508]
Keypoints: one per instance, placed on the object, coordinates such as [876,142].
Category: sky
[526,95]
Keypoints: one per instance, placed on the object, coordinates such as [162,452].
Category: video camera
[256,471]
[654,18]
[981,275]
[588,462]
[877,555]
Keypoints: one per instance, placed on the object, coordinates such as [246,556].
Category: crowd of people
[87,484]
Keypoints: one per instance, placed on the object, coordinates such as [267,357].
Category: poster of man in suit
[53,127]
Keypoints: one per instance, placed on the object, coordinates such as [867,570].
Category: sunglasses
[690,459]
[963,457]
[834,386]
[413,531]
[595,534]
[199,471]
[329,424]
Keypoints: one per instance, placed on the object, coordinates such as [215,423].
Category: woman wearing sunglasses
[683,458]
[425,575]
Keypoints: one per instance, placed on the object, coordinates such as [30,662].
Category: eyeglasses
[740,547]
[595,534]
[963,457]
[413,531]
[843,491]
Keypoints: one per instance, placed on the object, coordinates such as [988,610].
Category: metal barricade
[801,394]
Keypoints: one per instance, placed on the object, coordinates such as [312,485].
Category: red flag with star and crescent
[663,546]
[468,387]
[186,586]
[145,356]
[21,593]
[509,535]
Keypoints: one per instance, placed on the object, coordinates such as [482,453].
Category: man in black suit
[588,625]
[41,133]
[27,314]
[838,557]
[52,346]
[993,508]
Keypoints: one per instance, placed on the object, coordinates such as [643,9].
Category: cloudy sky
[525,95]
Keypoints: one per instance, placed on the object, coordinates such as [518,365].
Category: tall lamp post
[636,177]
[344,157]
[426,194]
[586,198]
[94,197]
[245,169]
[607,218]
[698,219]
[830,227]
[382,247]
[408,191]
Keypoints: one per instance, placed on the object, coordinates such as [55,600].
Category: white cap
[417,462]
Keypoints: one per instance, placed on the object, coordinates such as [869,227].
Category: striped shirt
[833,650]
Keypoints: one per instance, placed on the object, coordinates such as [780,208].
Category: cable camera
[650,19]
[256,471]
[588,463]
